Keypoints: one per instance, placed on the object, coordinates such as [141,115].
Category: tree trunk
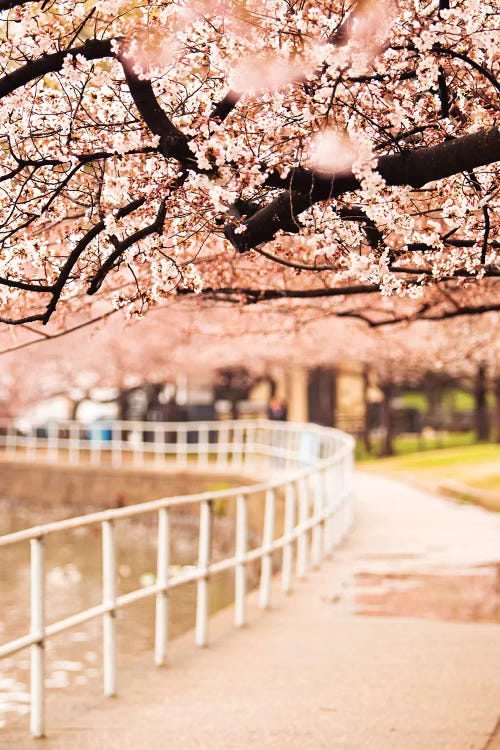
[75,405]
[434,416]
[387,420]
[235,412]
[481,416]
[367,441]
[123,406]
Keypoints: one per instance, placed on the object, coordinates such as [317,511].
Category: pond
[73,583]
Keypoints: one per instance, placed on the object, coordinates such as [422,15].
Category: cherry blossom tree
[248,151]
[177,339]
[475,357]
[461,350]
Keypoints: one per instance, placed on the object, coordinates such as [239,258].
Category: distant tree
[233,384]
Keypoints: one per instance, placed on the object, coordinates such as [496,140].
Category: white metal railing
[232,443]
[313,468]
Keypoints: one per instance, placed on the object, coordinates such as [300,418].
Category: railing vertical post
[240,570]
[289,461]
[271,460]
[52,442]
[161,619]
[350,489]
[204,551]
[159,446]
[267,558]
[328,510]
[335,483]
[281,446]
[342,498]
[249,445]
[109,600]
[141,442]
[116,444]
[222,447]
[38,631]
[31,442]
[95,445]
[302,538]
[73,443]
[181,447]
[237,452]
[317,533]
[203,446]
[10,439]
[286,565]
[137,447]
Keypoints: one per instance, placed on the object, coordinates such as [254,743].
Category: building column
[296,394]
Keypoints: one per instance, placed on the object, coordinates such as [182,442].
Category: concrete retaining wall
[101,487]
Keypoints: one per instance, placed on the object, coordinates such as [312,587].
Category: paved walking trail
[311,674]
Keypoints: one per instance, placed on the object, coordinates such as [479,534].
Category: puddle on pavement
[469,594]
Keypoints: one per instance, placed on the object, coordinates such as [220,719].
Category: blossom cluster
[92,191]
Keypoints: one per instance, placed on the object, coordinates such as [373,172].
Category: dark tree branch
[9,4]
[92,49]
[22,321]
[490,272]
[414,168]
[173,143]
[26,286]
[121,247]
[225,106]
[253,296]
[487,227]
[422,247]
[472,63]
[82,158]
[339,37]
[372,233]
[464,310]
[444,94]
[355,213]
[65,332]
[424,312]
[297,265]
[75,254]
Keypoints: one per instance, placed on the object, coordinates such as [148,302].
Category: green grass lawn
[408,444]
[460,467]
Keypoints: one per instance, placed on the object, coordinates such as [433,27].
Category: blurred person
[277,409]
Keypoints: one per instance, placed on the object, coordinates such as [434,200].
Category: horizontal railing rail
[118,442]
[313,470]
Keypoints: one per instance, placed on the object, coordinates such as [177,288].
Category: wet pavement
[393,645]
[454,594]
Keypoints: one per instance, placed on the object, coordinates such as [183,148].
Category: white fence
[313,470]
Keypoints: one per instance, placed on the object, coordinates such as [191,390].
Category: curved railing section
[309,466]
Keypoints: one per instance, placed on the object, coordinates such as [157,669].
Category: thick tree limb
[173,143]
[414,168]
[9,4]
[252,296]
